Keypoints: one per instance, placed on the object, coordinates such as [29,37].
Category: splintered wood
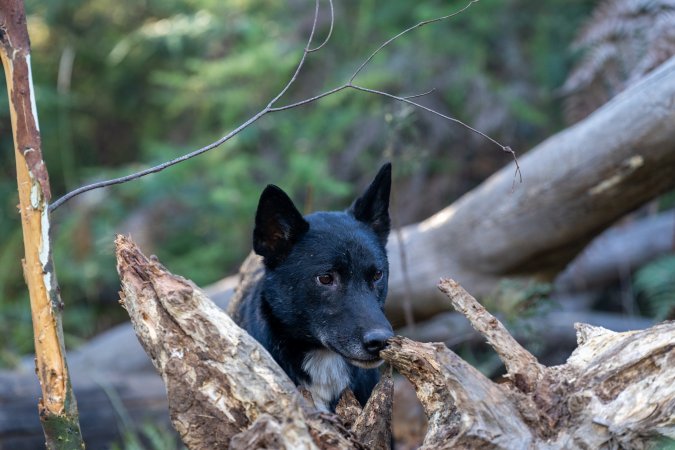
[617,390]
[220,381]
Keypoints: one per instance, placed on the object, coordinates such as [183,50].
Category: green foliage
[655,286]
[517,299]
[123,85]
[149,436]
[663,443]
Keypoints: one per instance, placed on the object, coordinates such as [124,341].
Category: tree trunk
[225,389]
[57,407]
[575,184]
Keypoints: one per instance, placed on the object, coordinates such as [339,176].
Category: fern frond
[622,42]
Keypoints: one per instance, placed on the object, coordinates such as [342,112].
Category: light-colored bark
[617,390]
[225,389]
[575,184]
[57,407]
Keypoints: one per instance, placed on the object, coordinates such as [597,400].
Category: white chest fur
[329,375]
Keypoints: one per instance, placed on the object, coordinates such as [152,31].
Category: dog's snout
[376,340]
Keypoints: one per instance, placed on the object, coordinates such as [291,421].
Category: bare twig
[270,108]
[407,30]
[330,31]
[520,364]
[430,91]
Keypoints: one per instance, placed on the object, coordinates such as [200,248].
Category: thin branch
[407,30]
[407,100]
[157,168]
[430,91]
[302,60]
[271,108]
[330,32]
[309,100]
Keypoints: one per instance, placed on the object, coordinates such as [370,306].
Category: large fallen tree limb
[576,184]
[616,390]
[618,252]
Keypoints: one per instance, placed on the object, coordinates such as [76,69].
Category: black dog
[318,309]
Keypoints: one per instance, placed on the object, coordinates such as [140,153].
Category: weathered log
[575,184]
[110,405]
[224,388]
[618,252]
[220,381]
[617,390]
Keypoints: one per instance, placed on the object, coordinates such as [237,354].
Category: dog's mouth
[358,362]
[366,364]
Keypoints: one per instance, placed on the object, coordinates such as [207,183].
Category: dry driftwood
[224,388]
[617,390]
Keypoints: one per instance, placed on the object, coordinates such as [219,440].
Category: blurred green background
[127,84]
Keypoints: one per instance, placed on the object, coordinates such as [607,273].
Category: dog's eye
[325,279]
[377,275]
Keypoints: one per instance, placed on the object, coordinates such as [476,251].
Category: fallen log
[225,389]
[617,390]
[111,404]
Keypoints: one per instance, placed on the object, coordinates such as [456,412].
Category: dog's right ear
[278,226]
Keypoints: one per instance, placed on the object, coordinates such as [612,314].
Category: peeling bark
[373,425]
[617,390]
[57,407]
[220,381]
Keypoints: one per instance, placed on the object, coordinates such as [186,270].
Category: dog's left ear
[372,207]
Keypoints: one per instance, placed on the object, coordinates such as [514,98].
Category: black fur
[324,285]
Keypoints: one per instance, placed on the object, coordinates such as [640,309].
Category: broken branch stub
[220,381]
[464,408]
[617,390]
[520,364]
[373,425]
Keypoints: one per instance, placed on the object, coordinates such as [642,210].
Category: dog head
[327,273]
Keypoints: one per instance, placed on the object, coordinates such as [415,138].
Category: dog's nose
[376,340]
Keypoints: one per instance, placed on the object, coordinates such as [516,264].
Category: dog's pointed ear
[278,226]
[372,207]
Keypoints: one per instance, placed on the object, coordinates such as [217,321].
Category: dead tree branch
[589,402]
[271,108]
[57,407]
[224,388]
